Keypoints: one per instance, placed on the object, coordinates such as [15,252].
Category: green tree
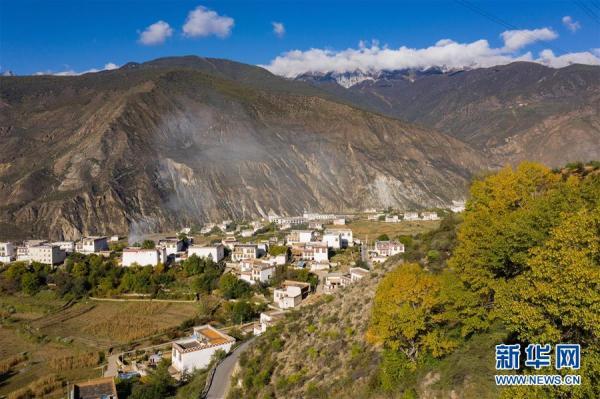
[383,237]
[30,283]
[148,244]
[231,287]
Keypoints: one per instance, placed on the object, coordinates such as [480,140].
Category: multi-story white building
[290,294]
[244,251]
[346,238]
[23,250]
[8,252]
[256,271]
[67,246]
[215,252]
[318,216]
[144,257]
[47,253]
[298,236]
[411,216]
[172,245]
[429,216]
[388,248]
[92,244]
[333,240]
[315,251]
[392,219]
[196,351]
[268,319]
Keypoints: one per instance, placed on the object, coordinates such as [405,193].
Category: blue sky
[66,35]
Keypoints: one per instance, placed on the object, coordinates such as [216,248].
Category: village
[324,245]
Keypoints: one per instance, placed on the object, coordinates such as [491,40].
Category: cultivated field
[364,229]
[64,341]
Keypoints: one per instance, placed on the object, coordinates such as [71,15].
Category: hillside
[172,142]
[515,112]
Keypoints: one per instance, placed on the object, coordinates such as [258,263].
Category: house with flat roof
[346,237]
[429,216]
[215,252]
[196,351]
[357,274]
[143,257]
[256,271]
[290,294]
[8,252]
[92,244]
[99,388]
[244,251]
[299,236]
[335,281]
[268,319]
[388,248]
[411,216]
[47,254]
[172,245]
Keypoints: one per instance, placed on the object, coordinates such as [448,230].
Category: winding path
[219,386]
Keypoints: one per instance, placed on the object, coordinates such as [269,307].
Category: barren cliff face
[157,148]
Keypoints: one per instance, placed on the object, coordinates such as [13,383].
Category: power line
[500,21]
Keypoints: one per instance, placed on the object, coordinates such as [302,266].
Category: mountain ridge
[157,147]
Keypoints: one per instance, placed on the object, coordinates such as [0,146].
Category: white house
[388,248]
[392,219]
[300,236]
[8,252]
[244,251]
[143,257]
[47,253]
[247,233]
[277,259]
[358,273]
[411,216]
[346,239]
[216,252]
[196,351]
[23,250]
[315,251]
[172,245]
[334,281]
[290,294]
[318,216]
[67,246]
[92,244]
[267,319]
[333,240]
[339,222]
[258,272]
[429,216]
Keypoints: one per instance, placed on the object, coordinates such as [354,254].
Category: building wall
[188,361]
[142,258]
[217,252]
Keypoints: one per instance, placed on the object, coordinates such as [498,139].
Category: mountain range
[184,140]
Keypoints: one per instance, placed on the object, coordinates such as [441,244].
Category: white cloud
[278,29]
[517,39]
[571,24]
[446,53]
[70,72]
[156,33]
[202,22]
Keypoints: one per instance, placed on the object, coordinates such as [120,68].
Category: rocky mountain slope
[512,112]
[185,140]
